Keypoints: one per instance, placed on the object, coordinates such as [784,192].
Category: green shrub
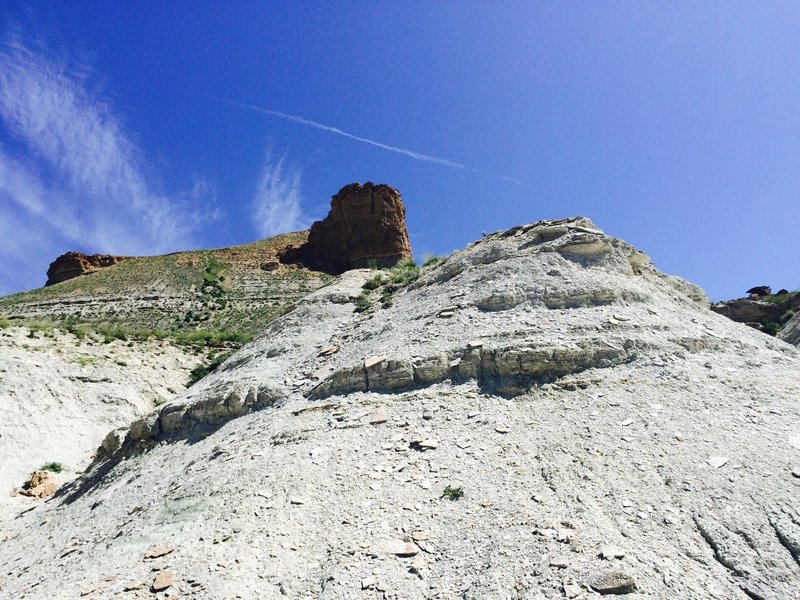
[374,283]
[453,493]
[769,327]
[362,302]
[387,295]
[4,323]
[405,272]
[201,371]
[53,467]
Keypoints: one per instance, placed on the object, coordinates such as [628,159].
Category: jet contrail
[310,123]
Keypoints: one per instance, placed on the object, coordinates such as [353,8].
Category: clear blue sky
[129,128]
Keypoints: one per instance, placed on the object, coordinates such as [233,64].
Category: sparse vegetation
[778,299]
[431,259]
[213,338]
[405,272]
[373,283]
[770,327]
[202,370]
[453,493]
[4,323]
[85,361]
[53,467]
[362,302]
[39,326]
[222,291]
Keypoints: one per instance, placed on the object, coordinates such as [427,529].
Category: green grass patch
[53,467]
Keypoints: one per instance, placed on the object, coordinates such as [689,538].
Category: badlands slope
[61,395]
[540,415]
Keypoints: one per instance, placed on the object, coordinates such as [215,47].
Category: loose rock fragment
[717,461]
[373,360]
[162,581]
[609,552]
[612,582]
[328,350]
[158,551]
[132,585]
[378,418]
[571,588]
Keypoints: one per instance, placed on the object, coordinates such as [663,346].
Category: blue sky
[147,127]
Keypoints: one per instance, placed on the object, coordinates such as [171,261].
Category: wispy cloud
[404,151]
[277,201]
[72,171]
[71,141]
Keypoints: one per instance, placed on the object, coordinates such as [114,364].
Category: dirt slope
[541,415]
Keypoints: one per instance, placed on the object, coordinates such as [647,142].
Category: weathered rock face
[41,484]
[756,312]
[366,226]
[74,264]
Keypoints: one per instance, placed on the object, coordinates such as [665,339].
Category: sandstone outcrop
[74,264]
[366,226]
[40,484]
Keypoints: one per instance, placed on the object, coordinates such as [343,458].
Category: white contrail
[310,123]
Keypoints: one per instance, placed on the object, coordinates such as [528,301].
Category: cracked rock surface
[541,415]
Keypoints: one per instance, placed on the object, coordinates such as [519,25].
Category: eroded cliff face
[74,264]
[366,226]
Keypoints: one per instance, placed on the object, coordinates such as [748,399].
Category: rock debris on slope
[556,435]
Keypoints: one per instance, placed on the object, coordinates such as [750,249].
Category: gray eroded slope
[59,396]
[580,398]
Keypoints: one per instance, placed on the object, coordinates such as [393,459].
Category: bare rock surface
[60,396]
[366,225]
[575,397]
[75,264]
[790,333]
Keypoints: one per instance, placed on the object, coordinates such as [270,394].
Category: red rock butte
[366,227]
